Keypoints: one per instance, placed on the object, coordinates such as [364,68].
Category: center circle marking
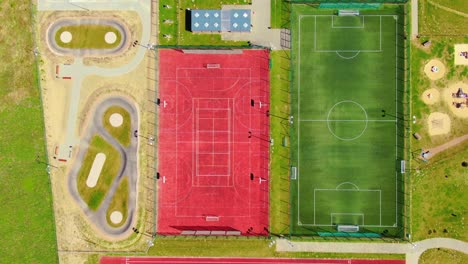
[346,138]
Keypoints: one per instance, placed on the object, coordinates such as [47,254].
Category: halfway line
[345,120]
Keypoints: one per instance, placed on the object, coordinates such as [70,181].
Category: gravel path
[414,18]
[434,151]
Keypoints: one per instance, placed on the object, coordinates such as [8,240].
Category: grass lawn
[94,196]
[119,202]
[27,222]
[121,133]
[177,29]
[437,21]
[439,196]
[88,37]
[240,247]
[279,129]
[443,256]
[345,136]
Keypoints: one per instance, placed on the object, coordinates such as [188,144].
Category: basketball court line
[396,104]
[250,204]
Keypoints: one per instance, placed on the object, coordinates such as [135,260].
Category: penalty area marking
[347,58]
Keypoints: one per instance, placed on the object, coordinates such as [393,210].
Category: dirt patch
[434,69]
[438,123]
[430,96]
[458,106]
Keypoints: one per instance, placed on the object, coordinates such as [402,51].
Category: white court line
[347,190]
[315,34]
[360,214]
[298,103]
[362,21]
[396,111]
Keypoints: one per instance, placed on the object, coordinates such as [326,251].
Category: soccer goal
[348,12]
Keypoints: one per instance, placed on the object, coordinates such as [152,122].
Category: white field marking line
[345,120]
[348,58]
[380,207]
[315,34]
[360,214]
[347,190]
[396,111]
[357,188]
[299,117]
[362,225]
[333,26]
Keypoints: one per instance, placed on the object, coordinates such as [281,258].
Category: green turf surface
[27,220]
[88,37]
[123,132]
[344,146]
[94,196]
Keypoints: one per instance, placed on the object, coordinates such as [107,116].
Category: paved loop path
[447,145]
[413,251]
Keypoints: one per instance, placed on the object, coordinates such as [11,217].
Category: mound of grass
[27,219]
[442,256]
[94,196]
[119,202]
[88,37]
[121,133]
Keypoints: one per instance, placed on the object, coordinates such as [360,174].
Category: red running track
[211,139]
[165,260]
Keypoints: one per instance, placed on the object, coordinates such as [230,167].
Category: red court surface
[213,143]
[165,260]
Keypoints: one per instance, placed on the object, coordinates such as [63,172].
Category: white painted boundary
[360,214]
[335,50]
[311,120]
[333,22]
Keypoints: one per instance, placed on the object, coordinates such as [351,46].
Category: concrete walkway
[414,19]
[261,33]
[412,250]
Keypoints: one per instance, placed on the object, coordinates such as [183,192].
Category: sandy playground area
[430,96]
[461,54]
[459,106]
[434,69]
[438,123]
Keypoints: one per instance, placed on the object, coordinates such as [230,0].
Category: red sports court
[213,142]
[176,260]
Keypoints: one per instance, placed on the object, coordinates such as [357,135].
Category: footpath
[412,250]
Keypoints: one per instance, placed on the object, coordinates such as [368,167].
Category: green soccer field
[346,132]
